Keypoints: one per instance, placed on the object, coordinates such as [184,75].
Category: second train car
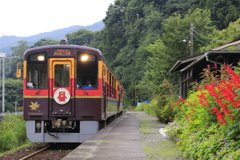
[69,93]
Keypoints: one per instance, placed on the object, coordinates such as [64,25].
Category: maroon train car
[69,93]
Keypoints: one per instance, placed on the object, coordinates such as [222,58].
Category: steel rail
[30,155]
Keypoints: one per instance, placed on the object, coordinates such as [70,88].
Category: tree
[8,106]
[14,58]
[131,25]
[221,37]
[169,48]
[222,12]
[13,91]
[80,37]
[44,42]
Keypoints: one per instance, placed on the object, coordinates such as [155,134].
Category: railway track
[35,153]
[52,151]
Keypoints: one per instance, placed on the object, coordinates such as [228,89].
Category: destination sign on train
[62,52]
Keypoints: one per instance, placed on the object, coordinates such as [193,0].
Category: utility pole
[191,39]
[3,55]
[3,86]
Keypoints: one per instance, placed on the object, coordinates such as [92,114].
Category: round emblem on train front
[61,96]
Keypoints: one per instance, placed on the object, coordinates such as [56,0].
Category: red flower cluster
[224,94]
[221,91]
[220,117]
[202,98]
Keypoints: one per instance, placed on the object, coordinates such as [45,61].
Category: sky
[30,17]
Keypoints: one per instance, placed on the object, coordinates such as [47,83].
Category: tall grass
[160,107]
[148,108]
[12,132]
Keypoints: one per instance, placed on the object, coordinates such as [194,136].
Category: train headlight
[84,58]
[41,58]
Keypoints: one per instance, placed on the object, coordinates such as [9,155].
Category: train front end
[59,103]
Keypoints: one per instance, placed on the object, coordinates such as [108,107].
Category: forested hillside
[142,40]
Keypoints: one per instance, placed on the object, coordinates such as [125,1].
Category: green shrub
[149,108]
[8,106]
[209,124]
[139,108]
[12,132]
[160,107]
[164,109]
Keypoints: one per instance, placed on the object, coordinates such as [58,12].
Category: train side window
[87,71]
[37,71]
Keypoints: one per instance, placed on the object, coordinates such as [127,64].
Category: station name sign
[62,52]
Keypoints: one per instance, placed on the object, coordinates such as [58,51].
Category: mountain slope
[7,41]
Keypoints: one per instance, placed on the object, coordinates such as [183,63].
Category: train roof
[60,46]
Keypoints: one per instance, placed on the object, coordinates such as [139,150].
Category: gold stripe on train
[35,96]
[71,97]
[25,69]
[88,96]
[100,68]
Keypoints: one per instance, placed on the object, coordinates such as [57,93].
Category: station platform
[120,140]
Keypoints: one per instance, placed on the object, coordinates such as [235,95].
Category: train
[69,93]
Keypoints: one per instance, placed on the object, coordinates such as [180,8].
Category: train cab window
[87,71]
[37,71]
[61,75]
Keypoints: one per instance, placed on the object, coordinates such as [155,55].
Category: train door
[62,86]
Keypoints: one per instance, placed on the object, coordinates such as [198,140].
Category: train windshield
[37,71]
[87,71]
[61,75]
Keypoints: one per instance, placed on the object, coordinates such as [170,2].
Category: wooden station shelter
[191,67]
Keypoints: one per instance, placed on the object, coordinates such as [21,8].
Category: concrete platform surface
[120,140]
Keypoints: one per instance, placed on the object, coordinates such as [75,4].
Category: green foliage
[8,106]
[223,12]
[164,110]
[44,42]
[208,120]
[12,132]
[169,48]
[149,108]
[80,37]
[177,28]
[128,29]
[13,86]
[155,73]
[221,37]
[17,51]
[139,108]
[143,39]
[13,91]
[162,105]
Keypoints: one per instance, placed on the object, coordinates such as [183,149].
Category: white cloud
[29,17]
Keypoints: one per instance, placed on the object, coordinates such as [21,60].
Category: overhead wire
[200,40]
[209,37]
